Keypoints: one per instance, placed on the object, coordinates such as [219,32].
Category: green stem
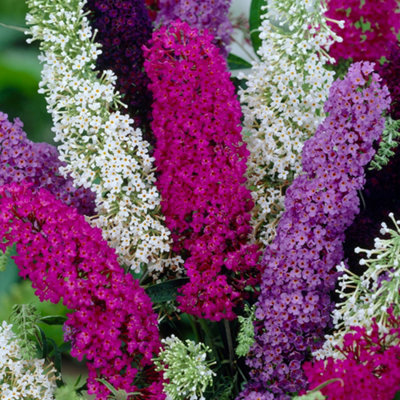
[194,328]
[230,343]
[208,335]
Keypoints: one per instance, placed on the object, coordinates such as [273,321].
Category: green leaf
[255,22]
[54,319]
[222,388]
[65,347]
[397,396]
[236,62]
[239,83]
[165,291]
[56,354]
[45,346]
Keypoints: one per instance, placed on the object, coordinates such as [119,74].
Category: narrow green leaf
[56,355]
[82,388]
[239,83]
[45,346]
[236,62]
[65,347]
[255,22]
[54,319]
[165,291]
[78,381]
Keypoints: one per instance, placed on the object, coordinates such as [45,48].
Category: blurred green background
[20,74]
[19,80]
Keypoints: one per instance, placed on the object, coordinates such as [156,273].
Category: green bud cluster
[3,258]
[24,318]
[186,368]
[246,332]
[389,141]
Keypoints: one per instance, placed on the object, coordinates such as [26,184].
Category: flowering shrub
[183,196]
[101,149]
[21,159]
[283,103]
[211,15]
[294,304]
[370,364]
[113,325]
[371,27]
[123,27]
[201,162]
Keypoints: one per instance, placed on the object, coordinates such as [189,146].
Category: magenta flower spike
[113,325]
[369,368]
[360,41]
[201,162]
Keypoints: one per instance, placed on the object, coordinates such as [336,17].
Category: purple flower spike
[123,27]
[206,14]
[294,306]
[38,163]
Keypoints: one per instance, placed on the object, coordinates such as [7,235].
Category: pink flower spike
[114,325]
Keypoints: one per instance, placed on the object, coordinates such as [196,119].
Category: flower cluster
[366,298]
[22,379]
[100,147]
[21,159]
[206,14]
[113,326]
[370,368]
[201,161]
[294,305]
[123,27]
[283,102]
[185,367]
[245,336]
[370,30]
